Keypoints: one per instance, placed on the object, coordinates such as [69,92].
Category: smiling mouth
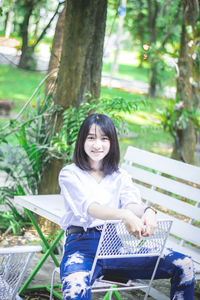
[97,152]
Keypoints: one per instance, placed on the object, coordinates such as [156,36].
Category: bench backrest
[173,187]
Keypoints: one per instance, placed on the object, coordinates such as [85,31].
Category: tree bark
[153,10]
[80,67]
[184,147]
[26,60]
[115,66]
[27,52]
[9,20]
[81,60]
[54,61]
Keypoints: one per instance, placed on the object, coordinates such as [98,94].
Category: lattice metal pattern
[116,240]
[11,266]
[12,269]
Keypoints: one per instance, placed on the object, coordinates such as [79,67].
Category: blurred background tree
[185,133]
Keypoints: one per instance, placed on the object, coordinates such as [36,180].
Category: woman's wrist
[127,214]
[150,208]
[136,209]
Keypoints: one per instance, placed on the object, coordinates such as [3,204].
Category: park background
[137,61]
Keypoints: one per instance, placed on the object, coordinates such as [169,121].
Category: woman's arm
[137,209]
[136,221]
[133,224]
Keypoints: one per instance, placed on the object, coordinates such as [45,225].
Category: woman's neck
[96,166]
[96,171]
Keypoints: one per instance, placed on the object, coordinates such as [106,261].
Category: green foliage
[176,117]
[73,117]
[9,221]
[25,161]
[159,25]
[10,218]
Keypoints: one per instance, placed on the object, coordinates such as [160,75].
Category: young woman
[96,189]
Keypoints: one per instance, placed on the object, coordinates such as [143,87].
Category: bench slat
[166,201]
[190,251]
[164,183]
[163,164]
[182,229]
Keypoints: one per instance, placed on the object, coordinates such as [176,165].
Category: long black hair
[111,160]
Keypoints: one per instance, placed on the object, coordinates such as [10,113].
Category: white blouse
[80,189]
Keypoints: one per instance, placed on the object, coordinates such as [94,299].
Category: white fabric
[80,189]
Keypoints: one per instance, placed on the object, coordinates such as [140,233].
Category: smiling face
[97,145]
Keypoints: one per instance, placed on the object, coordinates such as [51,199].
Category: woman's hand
[133,224]
[149,221]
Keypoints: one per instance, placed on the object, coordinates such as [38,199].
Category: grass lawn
[18,85]
[128,69]
[143,124]
[128,72]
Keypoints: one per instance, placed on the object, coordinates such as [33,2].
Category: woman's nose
[97,143]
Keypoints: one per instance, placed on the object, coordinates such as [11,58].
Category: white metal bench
[173,188]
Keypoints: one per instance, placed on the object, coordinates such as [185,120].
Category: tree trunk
[153,9]
[9,20]
[27,60]
[114,68]
[48,184]
[54,61]
[81,60]
[27,52]
[80,67]
[153,79]
[184,147]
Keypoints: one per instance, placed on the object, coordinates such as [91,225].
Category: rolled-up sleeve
[76,196]
[129,193]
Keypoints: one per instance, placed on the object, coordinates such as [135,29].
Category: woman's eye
[90,138]
[105,138]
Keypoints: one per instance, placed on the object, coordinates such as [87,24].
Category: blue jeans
[80,249]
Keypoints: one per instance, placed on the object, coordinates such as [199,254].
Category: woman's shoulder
[71,174]
[123,176]
[70,169]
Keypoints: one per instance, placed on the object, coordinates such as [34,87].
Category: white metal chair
[116,242]
[14,262]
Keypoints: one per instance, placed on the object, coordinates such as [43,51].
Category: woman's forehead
[95,129]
